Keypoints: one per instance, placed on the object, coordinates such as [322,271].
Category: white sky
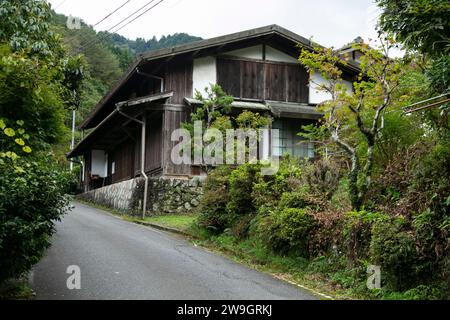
[329,22]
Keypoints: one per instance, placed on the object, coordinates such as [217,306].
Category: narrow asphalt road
[121,260]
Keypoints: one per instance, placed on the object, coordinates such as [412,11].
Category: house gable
[266,56]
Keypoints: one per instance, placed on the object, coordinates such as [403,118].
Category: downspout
[143,123]
[143,134]
[153,77]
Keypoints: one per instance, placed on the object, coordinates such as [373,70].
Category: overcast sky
[329,22]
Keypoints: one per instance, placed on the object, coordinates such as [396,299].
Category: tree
[355,120]
[38,81]
[422,25]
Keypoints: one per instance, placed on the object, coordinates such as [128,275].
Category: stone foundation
[165,196]
[174,196]
[123,196]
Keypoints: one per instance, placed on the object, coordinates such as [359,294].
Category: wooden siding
[178,78]
[153,148]
[297,83]
[123,157]
[229,76]
[275,83]
[286,82]
[87,171]
[172,121]
[252,83]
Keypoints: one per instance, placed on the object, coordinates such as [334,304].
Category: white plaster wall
[255,52]
[99,163]
[204,74]
[278,56]
[316,96]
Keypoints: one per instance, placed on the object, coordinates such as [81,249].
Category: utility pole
[72,145]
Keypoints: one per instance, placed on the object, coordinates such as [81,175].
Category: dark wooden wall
[178,78]
[87,170]
[172,121]
[153,148]
[123,156]
[153,145]
[286,82]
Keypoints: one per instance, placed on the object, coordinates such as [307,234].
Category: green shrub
[241,187]
[212,208]
[393,248]
[327,237]
[296,199]
[31,200]
[357,233]
[268,190]
[421,292]
[288,231]
[322,177]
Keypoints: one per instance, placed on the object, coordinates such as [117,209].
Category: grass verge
[180,222]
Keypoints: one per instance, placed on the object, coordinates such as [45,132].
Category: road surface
[121,260]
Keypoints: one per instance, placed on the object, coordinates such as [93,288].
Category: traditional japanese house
[129,131]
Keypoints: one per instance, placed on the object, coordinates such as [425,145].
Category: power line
[139,15]
[106,17]
[59,5]
[122,21]
[110,14]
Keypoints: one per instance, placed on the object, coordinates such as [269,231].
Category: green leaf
[20,123]
[2,124]
[9,132]
[20,142]
[27,149]
[19,169]
[12,155]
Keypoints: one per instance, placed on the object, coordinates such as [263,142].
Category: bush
[31,200]
[212,208]
[241,183]
[268,190]
[393,248]
[358,233]
[296,199]
[322,177]
[288,231]
[327,238]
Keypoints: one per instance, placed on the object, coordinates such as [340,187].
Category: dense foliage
[384,200]
[38,84]
[140,45]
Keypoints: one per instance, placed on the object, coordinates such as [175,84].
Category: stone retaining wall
[165,196]
[174,196]
[123,196]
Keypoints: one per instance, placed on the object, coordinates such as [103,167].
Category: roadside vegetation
[378,192]
[37,79]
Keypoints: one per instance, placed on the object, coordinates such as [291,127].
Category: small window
[113,167]
[289,142]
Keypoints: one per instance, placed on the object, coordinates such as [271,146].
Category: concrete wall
[165,196]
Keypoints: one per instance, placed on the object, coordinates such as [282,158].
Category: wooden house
[258,67]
